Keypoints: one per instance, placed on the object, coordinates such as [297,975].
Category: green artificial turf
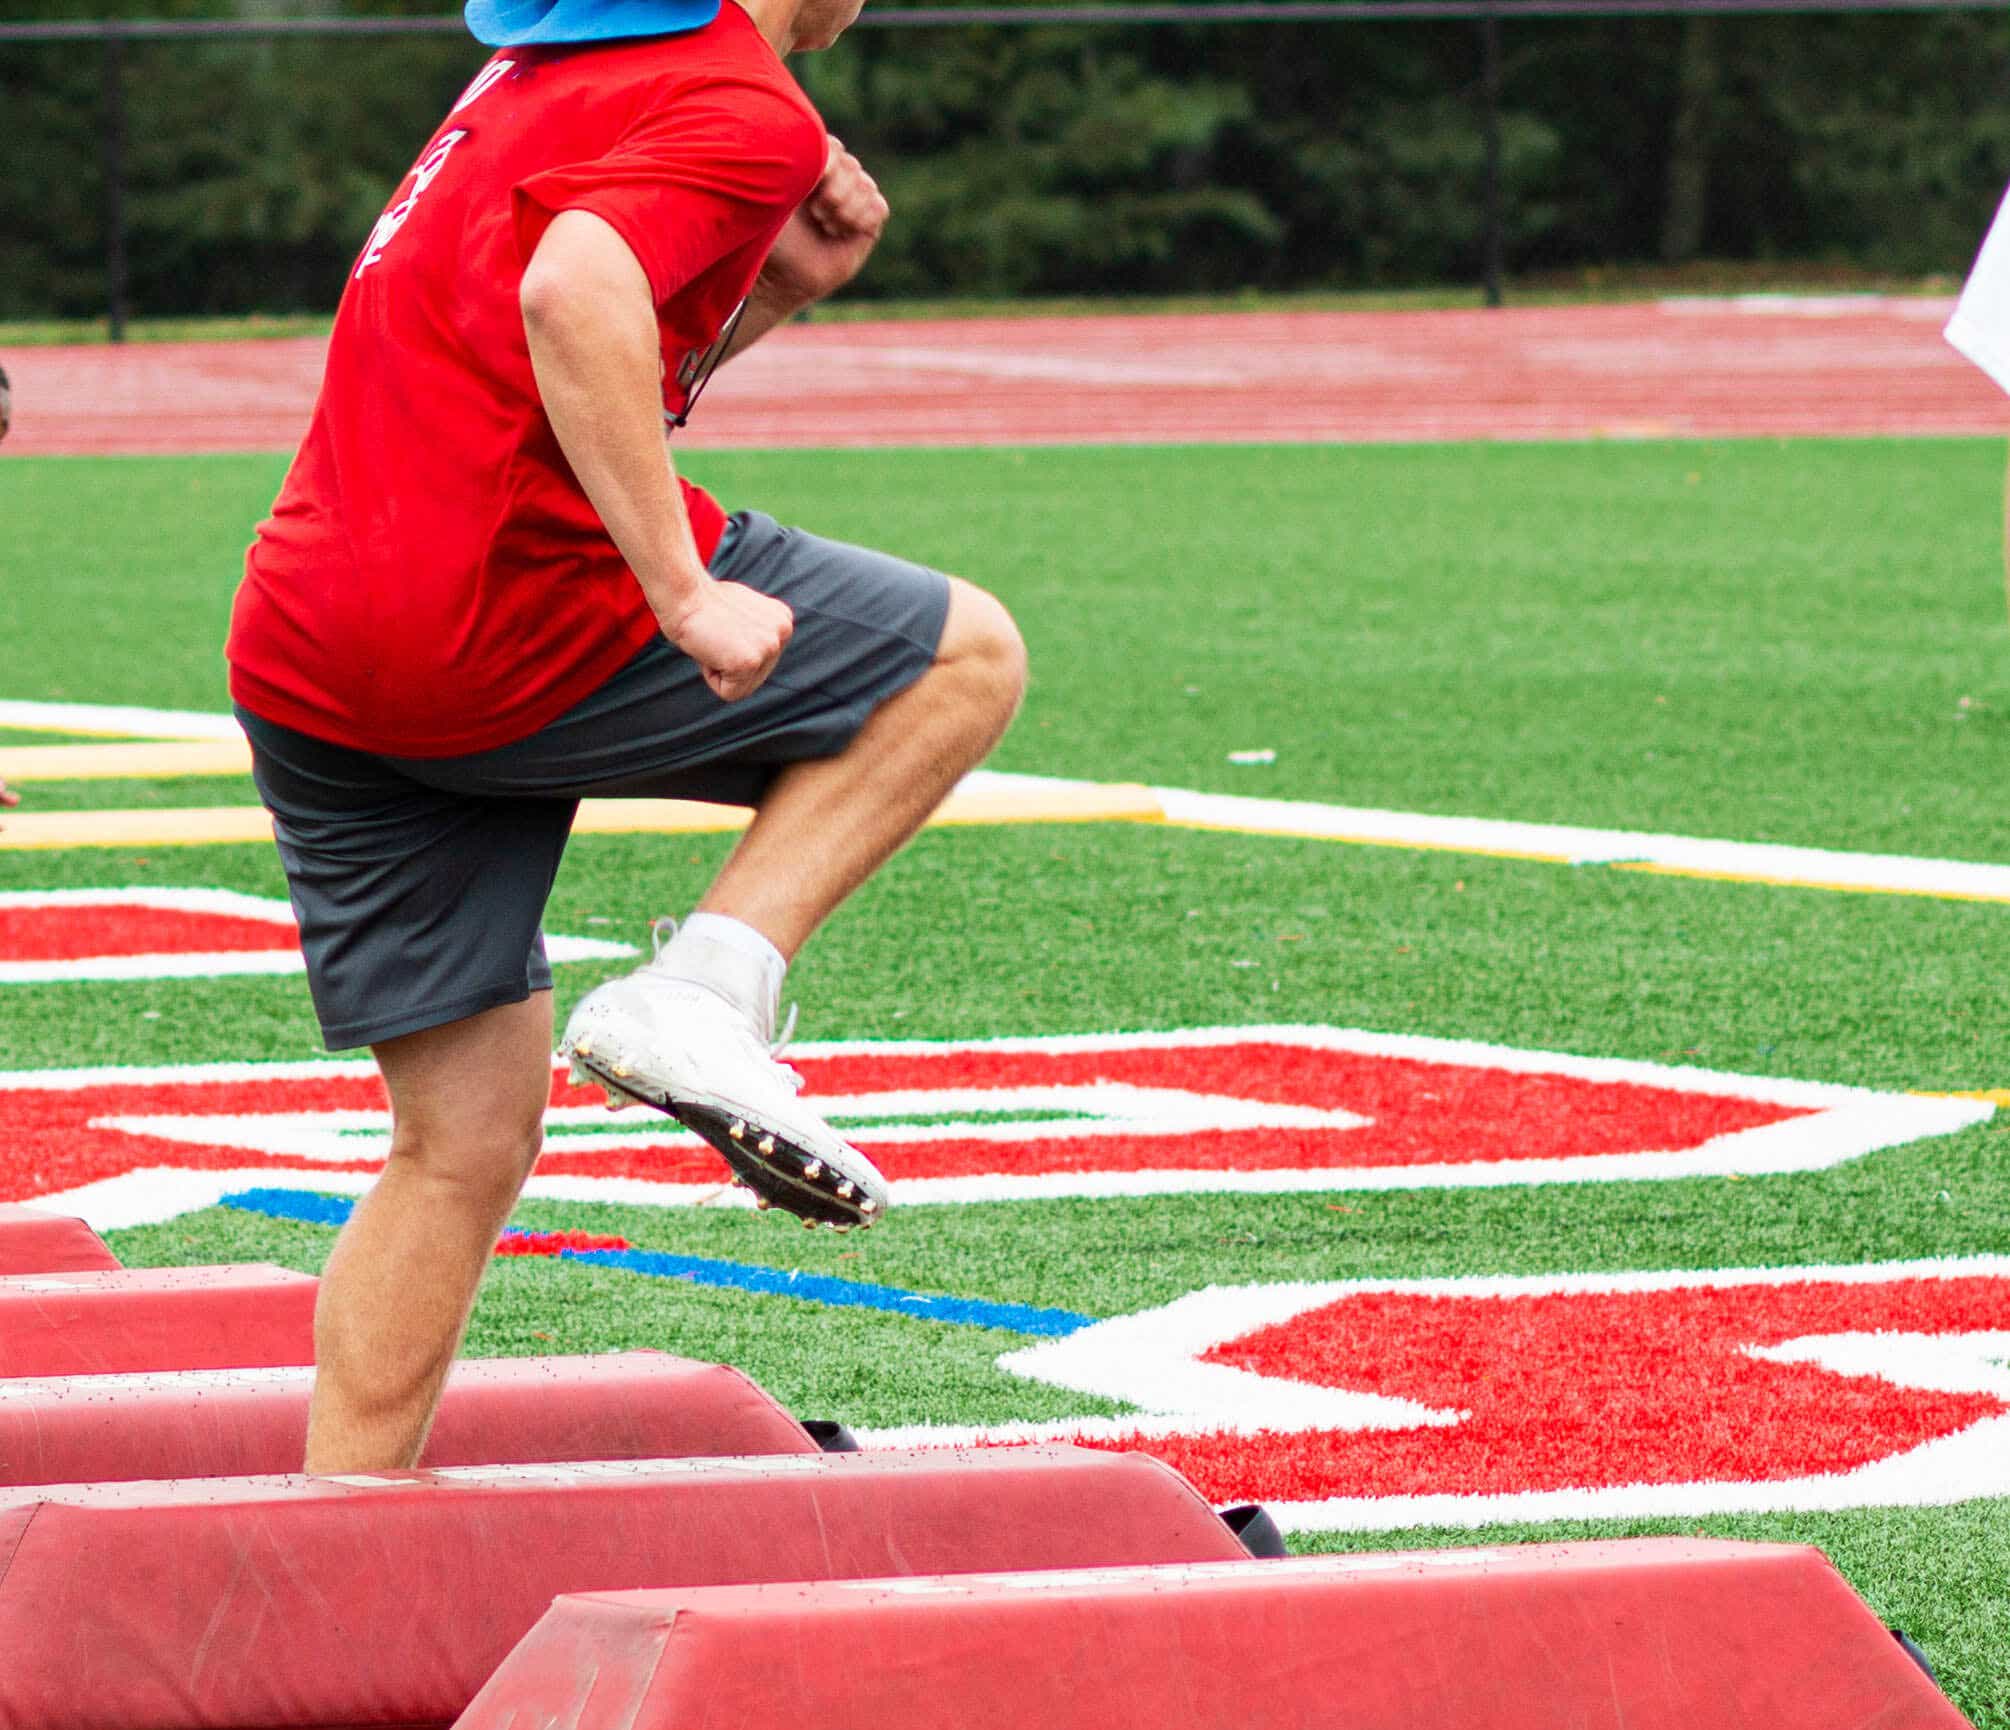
[118,793]
[1077,928]
[1770,640]
[1760,640]
[34,736]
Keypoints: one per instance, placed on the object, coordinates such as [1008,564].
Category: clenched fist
[832,233]
[736,635]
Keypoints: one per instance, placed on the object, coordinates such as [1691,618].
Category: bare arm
[594,349]
[825,245]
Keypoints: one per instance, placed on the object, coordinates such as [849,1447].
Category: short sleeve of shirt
[713,170]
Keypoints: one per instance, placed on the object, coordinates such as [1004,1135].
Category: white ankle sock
[695,953]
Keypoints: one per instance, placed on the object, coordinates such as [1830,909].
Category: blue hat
[515,23]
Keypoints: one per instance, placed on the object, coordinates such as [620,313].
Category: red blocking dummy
[32,1241]
[170,1318]
[1652,1634]
[379,1600]
[228,1423]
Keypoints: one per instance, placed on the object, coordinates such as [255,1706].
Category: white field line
[1843,1123]
[117,721]
[1566,844]
[1099,1112]
[242,963]
[1552,843]
[1421,1048]
[190,964]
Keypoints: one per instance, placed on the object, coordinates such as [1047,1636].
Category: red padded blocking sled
[169,1318]
[390,1599]
[1651,1634]
[32,1241]
[227,1423]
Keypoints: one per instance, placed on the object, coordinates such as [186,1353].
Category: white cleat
[675,1040]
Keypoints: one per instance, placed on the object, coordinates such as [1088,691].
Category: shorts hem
[351,1035]
[253,692]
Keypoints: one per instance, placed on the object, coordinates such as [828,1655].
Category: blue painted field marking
[841,1293]
[301,1204]
[332,1210]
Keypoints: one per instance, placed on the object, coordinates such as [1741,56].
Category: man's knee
[479,1160]
[468,1100]
[980,637]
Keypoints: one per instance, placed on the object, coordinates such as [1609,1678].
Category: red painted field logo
[1249,1110]
[58,936]
[1362,1406]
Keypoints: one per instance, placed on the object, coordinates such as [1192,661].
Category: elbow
[583,283]
[544,297]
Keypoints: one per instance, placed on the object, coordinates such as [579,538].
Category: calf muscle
[467,1110]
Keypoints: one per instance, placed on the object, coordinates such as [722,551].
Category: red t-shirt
[432,579]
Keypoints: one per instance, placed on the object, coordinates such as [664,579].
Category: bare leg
[827,825]
[467,1116]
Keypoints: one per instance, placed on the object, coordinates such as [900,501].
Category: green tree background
[1063,160]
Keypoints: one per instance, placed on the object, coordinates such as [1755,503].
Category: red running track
[1755,366]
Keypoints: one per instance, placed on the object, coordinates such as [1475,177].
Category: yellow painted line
[1649,868]
[1645,866]
[1064,804]
[1368,841]
[1996,1096]
[224,825]
[197,826]
[1061,802]
[20,764]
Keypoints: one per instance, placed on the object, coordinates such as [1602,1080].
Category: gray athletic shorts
[420,882]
